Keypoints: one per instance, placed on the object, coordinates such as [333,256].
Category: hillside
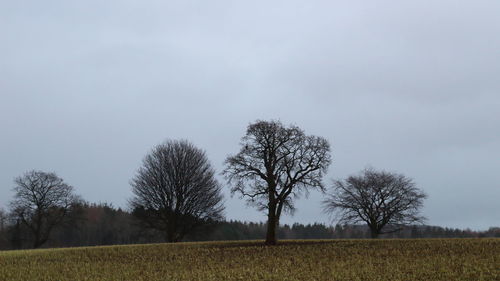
[425,259]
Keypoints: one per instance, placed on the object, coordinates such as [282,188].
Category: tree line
[104,224]
[176,195]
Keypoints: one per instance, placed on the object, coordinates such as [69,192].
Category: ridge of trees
[104,224]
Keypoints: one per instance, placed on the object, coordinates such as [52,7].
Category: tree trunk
[374,233]
[36,244]
[170,236]
[171,231]
[39,240]
[272,225]
[271,232]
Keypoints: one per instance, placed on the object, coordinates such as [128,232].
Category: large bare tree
[275,165]
[384,201]
[175,190]
[42,201]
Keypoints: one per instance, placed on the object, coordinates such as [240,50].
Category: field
[430,259]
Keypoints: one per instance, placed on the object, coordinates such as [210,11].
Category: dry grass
[429,259]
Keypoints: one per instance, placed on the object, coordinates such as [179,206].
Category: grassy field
[430,259]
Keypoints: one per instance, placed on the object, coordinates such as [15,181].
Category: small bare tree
[175,190]
[275,164]
[384,201]
[41,202]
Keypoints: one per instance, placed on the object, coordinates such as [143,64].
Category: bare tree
[384,201]
[275,165]
[41,202]
[175,190]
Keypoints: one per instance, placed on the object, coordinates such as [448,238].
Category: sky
[87,88]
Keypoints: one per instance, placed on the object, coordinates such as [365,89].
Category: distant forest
[103,224]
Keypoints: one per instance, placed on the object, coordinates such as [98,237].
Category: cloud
[86,89]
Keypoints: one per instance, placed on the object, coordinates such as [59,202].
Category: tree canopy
[384,201]
[175,190]
[275,164]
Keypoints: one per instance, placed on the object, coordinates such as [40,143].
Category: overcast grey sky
[87,88]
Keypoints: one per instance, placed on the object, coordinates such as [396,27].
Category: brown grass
[426,259]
